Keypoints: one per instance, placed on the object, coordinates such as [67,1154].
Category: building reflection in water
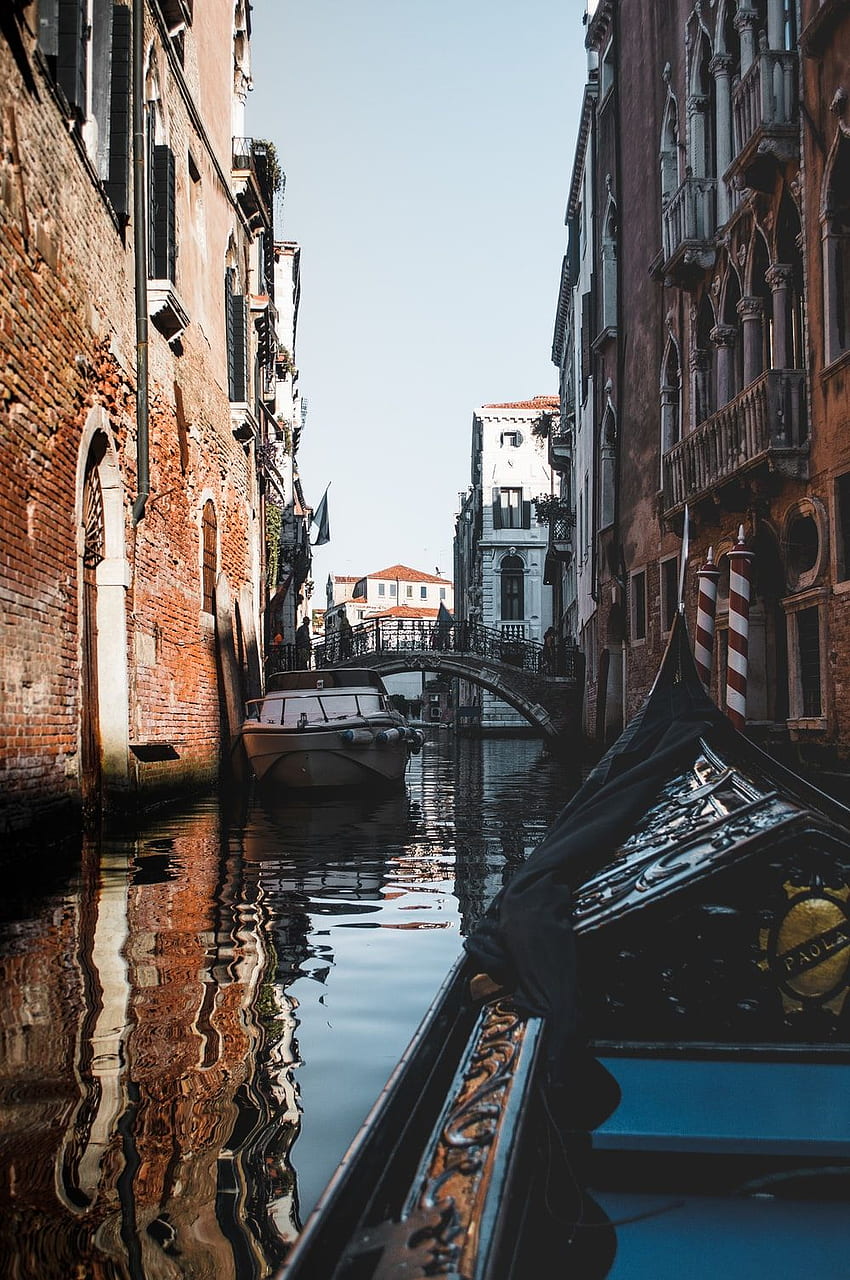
[149,1030]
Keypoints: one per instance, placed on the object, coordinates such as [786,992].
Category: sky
[428,152]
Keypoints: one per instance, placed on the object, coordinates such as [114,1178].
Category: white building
[396,592]
[500,546]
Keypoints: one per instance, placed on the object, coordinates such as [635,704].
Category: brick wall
[67,359]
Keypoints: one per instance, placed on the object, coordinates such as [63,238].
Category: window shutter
[48,29]
[497,509]
[118,183]
[585,340]
[71,46]
[526,515]
[163,253]
[237,355]
[573,249]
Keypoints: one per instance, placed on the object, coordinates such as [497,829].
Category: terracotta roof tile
[401,573]
[543,403]
[404,611]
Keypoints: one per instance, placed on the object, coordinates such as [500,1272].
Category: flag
[443,616]
[320,519]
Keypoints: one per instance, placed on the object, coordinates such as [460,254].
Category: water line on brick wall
[143,475]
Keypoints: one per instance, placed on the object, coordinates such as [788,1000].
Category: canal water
[195,1020]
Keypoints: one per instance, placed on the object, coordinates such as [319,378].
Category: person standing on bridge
[302,644]
[344,638]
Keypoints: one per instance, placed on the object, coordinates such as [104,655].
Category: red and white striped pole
[707,574]
[740,566]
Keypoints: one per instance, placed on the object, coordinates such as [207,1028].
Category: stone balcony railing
[764,105]
[766,419]
[688,226]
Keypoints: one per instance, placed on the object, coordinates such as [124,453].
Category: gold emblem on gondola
[807,947]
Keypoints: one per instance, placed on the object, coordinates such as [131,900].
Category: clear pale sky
[427,152]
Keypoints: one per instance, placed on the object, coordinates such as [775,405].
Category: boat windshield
[300,711]
[315,710]
[341,706]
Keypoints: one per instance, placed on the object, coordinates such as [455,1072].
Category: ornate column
[721,68]
[700,363]
[745,24]
[775,24]
[780,277]
[670,428]
[751,311]
[724,337]
[697,108]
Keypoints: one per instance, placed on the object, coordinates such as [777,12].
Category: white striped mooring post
[740,566]
[708,573]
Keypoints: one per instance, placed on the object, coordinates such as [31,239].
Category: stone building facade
[500,546]
[137,352]
[702,340]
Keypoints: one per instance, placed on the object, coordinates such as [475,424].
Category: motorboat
[641,1065]
[328,728]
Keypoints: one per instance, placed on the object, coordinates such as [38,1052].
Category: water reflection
[193,1023]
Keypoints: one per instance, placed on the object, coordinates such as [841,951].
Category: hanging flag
[322,522]
[443,615]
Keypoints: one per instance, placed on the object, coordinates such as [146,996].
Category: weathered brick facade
[68,399]
[703,336]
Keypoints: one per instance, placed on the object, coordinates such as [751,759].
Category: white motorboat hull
[320,759]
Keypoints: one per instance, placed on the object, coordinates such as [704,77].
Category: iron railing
[506,643]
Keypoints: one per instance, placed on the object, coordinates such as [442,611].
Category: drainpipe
[143,475]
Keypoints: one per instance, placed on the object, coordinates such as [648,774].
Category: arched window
[702,364]
[701,103]
[609,262]
[513,589]
[785,278]
[209,556]
[835,222]
[671,396]
[669,143]
[607,459]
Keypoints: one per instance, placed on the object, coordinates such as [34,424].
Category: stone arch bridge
[545,689]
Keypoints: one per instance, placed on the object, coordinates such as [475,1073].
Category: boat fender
[357,737]
[387,736]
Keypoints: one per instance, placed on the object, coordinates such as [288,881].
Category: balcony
[765,423]
[561,521]
[561,449]
[688,226]
[251,180]
[765,117]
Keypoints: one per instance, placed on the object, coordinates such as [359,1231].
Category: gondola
[641,1064]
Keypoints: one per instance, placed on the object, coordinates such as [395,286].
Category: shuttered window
[117,176]
[163,241]
[209,556]
[638,603]
[509,510]
[236,318]
[808,642]
[586,339]
[513,589]
[71,53]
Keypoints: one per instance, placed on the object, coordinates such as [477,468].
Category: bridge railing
[408,635]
